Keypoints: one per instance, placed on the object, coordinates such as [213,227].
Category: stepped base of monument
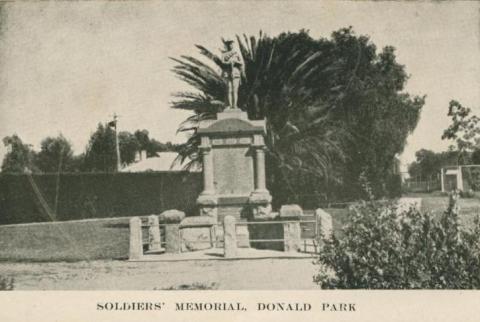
[240,212]
[155,252]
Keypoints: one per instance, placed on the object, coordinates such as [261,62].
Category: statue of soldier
[232,72]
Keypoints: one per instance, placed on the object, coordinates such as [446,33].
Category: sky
[66,66]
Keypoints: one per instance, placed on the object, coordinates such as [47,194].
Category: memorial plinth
[233,157]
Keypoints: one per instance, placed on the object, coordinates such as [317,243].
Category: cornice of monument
[231,121]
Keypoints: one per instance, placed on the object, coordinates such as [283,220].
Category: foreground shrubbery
[6,284]
[380,248]
[194,286]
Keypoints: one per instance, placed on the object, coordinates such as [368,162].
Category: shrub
[6,284]
[467,194]
[471,176]
[380,248]
[394,186]
[189,287]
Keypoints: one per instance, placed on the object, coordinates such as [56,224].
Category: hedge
[50,197]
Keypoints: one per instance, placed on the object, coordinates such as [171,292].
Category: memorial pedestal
[233,157]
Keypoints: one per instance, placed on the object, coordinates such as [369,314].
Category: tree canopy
[55,155]
[335,108]
[428,164]
[464,131]
[20,156]
[101,154]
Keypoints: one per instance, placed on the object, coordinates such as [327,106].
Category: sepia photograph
[240,145]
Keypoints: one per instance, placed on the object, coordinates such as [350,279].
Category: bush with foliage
[467,193]
[189,287]
[471,175]
[383,248]
[6,284]
[428,163]
[464,130]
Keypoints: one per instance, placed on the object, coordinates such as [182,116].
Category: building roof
[165,161]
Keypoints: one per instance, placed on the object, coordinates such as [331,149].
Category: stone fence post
[291,236]
[229,237]
[324,225]
[173,242]
[154,236]
[291,229]
[172,219]
[136,244]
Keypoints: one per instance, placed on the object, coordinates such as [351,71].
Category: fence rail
[247,223]
[266,240]
[422,186]
[287,235]
[309,241]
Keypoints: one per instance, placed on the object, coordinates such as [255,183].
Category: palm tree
[282,82]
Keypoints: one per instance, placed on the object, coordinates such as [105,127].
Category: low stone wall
[108,238]
[182,234]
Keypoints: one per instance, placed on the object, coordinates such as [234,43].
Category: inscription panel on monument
[232,141]
[233,170]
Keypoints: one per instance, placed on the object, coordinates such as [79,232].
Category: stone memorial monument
[233,157]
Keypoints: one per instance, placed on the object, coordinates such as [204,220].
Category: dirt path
[260,274]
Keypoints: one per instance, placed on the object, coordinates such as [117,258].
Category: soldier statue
[232,72]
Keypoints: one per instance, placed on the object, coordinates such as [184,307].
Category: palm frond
[284,82]
[207,53]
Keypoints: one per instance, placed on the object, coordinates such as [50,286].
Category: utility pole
[117,147]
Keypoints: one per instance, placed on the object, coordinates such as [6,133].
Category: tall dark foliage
[335,109]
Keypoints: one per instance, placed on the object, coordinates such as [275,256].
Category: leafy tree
[101,151]
[101,154]
[55,155]
[20,157]
[129,146]
[77,163]
[464,130]
[151,145]
[476,156]
[156,146]
[172,146]
[143,139]
[334,108]
[428,163]
[373,107]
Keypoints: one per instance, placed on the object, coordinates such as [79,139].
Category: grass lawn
[65,241]
[437,203]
